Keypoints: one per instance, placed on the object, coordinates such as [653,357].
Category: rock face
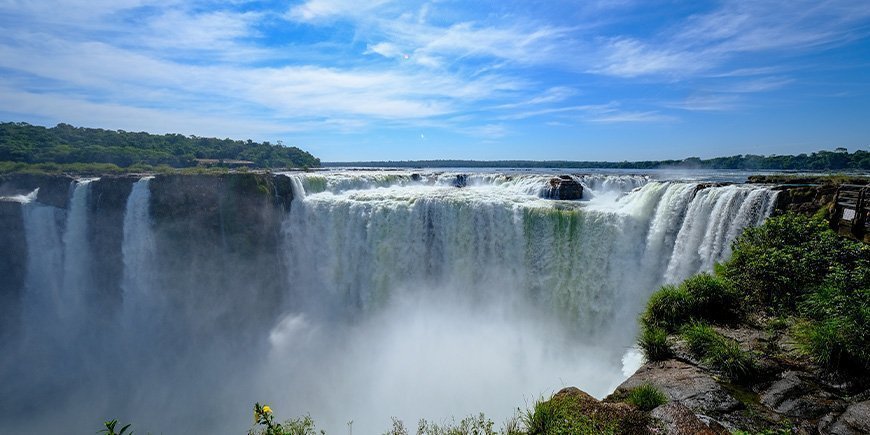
[683,383]
[13,265]
[217,238]
[54,190]
[677,419]
[461,180]
[563,187]
[797,395]
[856,420]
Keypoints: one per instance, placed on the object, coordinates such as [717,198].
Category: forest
[839,159]
[65,144]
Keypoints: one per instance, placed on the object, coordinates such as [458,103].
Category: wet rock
[680,420]
[54,190]
[461,180]
[13,265]
[563,187]
[855,420]
[683,383]
[796,395]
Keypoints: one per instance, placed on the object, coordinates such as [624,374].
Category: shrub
[564,416]
[725,356]
[669,308]
[646,397]
[653,342]
[700,338]
[779,262]
[713,298]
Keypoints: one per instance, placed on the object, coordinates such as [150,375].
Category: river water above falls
[378,294]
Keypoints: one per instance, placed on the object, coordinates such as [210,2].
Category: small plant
[653,343]
[646,397]
[263,417]
[110,428]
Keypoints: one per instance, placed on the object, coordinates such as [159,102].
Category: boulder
[683,383]
[563,187]
[855,420]
[680,420]
[461,180]
[796,395]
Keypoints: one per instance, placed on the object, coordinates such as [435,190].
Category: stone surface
[796,395]
[563,187]
[54,190]
[683,383]
[13,265]
[677,419]
[855,420]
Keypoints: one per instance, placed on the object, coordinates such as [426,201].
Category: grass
[669,308]
[646,397]
[564,416]
[719,352]
[653,342]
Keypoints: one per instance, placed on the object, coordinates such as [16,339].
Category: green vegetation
[564,415]
[719,352]
[474,425]
[110,428]
[837,160]
[266,421]
[646,397]
[794,269]
[653,342]
[703,296]
[22,143]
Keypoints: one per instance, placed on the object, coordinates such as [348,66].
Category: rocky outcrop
[461,180]
[677,419]
[217,238]
[54,190]
[788,392]
[682,383]
[856,420]
[563,187]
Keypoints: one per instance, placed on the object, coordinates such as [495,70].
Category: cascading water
[401,295]
[138,250]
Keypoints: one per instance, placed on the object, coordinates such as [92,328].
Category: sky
[402,80]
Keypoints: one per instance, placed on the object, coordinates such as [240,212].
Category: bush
[700,338]
[564,416]
[646,397]
[778,263]
[714,298]
[653,343]
[669,308]
[719,352]
[725,356]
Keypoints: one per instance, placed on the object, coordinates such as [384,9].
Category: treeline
[64,144]
[837,160]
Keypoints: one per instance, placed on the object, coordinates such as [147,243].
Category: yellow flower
[266,409]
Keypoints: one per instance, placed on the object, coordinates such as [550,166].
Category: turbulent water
[407,296]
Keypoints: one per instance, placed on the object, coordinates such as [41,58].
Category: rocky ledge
[789,395]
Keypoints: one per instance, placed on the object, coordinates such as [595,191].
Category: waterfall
[138,249]
[76,255]
[401,294]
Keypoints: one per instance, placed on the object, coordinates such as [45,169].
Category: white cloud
[312,10]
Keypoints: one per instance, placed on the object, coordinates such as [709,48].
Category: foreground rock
[683,383]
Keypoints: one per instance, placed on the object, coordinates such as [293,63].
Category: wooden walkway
[852,211]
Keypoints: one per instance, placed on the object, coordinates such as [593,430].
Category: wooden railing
[852,211]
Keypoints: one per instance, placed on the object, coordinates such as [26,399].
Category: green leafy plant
[110,428]
[646,397]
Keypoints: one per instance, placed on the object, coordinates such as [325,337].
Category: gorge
[176,301]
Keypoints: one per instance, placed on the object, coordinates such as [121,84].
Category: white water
[139,252]
[406,297]
[485,296]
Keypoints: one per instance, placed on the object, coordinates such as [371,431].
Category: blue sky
[380,79]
